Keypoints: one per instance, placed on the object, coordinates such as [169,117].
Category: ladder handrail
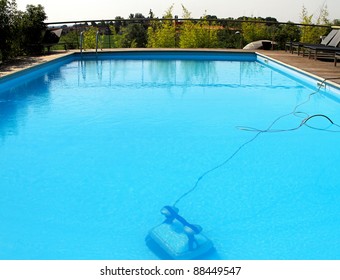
[97,39]
[81,41]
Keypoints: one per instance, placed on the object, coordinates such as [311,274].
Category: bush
[198,35]
[70,39]
[33,29]
[253,31]
[287,33]
[162,34]
[90,38]
[312,34]
[135,36]
[21,32]
[9,44]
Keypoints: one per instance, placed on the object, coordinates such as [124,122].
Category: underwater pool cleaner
[177,238]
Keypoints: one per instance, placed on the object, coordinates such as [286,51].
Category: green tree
[162,34]
[307,35]
[201,34]
[9,42]
[151,14]
[135,33]
[229,36]
[71,39]
[33,29]
[90,38]
[119,23]
[114,40]
[310,33]
[254,30]
[287,33]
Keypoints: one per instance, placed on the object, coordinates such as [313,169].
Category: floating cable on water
[303,122]
[305,119]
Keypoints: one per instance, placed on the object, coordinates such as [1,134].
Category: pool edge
[76,54]
[35,66]
[310,75]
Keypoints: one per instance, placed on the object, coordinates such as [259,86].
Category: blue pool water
[92,149]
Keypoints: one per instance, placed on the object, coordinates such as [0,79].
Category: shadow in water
[212,254]
[17,96]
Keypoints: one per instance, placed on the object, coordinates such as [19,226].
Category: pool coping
[304,72]
[309,79]
[24,65]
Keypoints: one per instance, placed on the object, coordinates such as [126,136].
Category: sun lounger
[51,38]
[325,51]
[299,46]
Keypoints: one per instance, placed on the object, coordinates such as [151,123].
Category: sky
[282,10]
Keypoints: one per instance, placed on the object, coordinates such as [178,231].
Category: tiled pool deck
[323,69]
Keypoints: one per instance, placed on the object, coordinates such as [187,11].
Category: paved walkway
[22,63]
[323,69]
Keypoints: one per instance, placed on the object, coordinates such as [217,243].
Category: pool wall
[22,76]
[315,82]
[172,55]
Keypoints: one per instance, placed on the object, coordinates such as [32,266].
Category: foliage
[90,38]
[119,23]
[202,34]
[20,32]
[70,39]
[270,29]
[135,36]
[33,29]
[312,34]
[162,34]
[117,39]
[290,32]
[287,33]
[253,31]
[229,39]
[8,27]
[114,39]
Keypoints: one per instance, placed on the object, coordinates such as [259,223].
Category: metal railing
[111,29]
[97,40]
[81,41]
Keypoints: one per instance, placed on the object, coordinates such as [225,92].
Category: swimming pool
[91,148]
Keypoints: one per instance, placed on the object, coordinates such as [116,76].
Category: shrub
[312,34]
[33,29]
[162,34]
[9,25]
[90,38]
[21,32]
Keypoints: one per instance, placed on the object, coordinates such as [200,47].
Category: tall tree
[8,27]
[33,28]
